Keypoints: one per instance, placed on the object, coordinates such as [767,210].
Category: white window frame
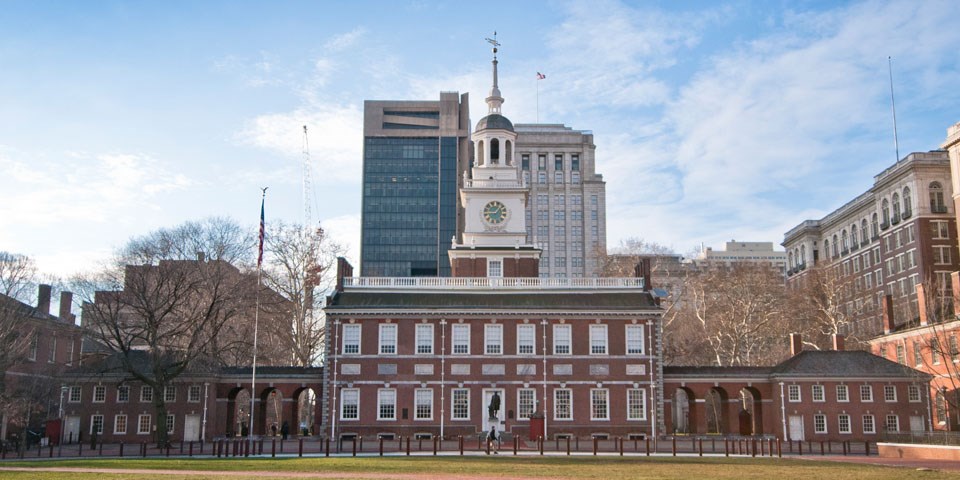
[632,402]
[460,336]
[387,339]
[146,394]
[140,424]
[99,394]
[194,394]
[493,339]
[840,424]
[117,422]
[817,393]
[123,397]
[526,339]
[913,394]
[349,331]
[353,395]
[526,403]
[558,402]
[868,424]
[464,394]
[384,394]
[93,423]
[562,341]
[895,423]
[635,340]
[419,395]
[819,423]
[599,398]
[599,344]
[889,393]
[843,393]
[495,268]
[793,393]
[423,339]
[171,422]
[170,393]
[866,393]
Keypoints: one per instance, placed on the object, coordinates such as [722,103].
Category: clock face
[495,213]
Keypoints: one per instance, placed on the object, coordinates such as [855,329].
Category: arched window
[790,259]
[836,246]
[853,236]
[896,208]
[885,211]
[509,152]
[907,203]
[874,227]
[844,242]
[480,158]
[803,254]
[494,151]
[826,247]
[864,239]
[936,198]
[941,406]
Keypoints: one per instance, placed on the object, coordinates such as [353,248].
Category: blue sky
[712,120]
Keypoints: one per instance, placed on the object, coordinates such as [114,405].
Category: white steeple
[494,101]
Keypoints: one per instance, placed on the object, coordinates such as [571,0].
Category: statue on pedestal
[494,408]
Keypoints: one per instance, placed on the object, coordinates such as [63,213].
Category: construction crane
[312,269]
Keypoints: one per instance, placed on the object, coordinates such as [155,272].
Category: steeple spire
[494,101]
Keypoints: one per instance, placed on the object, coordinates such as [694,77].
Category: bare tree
[18,274]
[298,266]
[827,303]
[217,238]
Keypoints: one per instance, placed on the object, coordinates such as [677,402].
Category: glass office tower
[414,153]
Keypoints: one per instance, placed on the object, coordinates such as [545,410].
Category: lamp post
[63,390]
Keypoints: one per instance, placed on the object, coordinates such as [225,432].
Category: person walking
[493,439]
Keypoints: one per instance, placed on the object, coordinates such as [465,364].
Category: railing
[474,283]
[938,208]
[884,226]
[930,438]
[487,183]
[896,218]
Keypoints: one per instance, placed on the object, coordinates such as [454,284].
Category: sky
[712,120]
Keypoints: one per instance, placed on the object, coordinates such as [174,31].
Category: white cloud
[345,40]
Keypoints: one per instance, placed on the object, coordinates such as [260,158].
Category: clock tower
[494,196]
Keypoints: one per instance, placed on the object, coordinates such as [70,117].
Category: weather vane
[493,41]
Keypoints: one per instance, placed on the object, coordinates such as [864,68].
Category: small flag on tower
[540,76]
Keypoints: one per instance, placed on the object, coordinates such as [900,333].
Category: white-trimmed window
[893,423]
[52,353]
[869,425]
[99,395]
[96,424]
[388,338]
[636,404]
[423,404]
[526,403]
[460,404]
[562,339]
[387,404]
[193,394]
[146,394]
[843,393]
[171,421]
[424,338]
[350,404]
[144,421]
[495,268]
[461,339]
[866,393]
[817,393]
[75,394]
[34,346]
[120,424]
[493,339]
[843,423]
[351,339]
[793,393]
[562,404]
[889,393]
[123,394]
[526,339]
[819,423]
[599,404]
[598,339]
[635,340]
[170,393]
[913,393]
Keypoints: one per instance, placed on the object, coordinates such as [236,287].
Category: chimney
[642,270]
[922,305]
[837,342]
[886,307]
[43,299]
[344,270]
[66,307]
[796,344]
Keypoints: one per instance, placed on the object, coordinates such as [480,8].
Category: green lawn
[492,467]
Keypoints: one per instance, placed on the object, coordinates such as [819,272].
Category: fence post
[821,448]
[674,443]
[541,441]
[701,446]
[435,445]
[648,445]
[568,446]
[620,439]
[300,450]
[326,451]
[460,444]
[779,449]
[726,447]
[866,447]
[595,440]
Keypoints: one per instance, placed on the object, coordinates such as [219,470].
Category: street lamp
[63,390]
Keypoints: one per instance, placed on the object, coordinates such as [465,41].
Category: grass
[579,467]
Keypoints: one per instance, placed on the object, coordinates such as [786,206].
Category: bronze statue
[494,406]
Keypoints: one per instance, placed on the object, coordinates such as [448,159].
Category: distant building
[898,234]
[744,252]
[414,155]
[566,211]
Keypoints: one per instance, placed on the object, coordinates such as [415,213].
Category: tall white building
[566,210]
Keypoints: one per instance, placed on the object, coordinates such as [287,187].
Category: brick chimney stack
[43,299]
[838,342]
[66,307]
[344,270]
[886,307]
[922,305]
[796,344]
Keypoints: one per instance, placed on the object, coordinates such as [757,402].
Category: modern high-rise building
[414,153]
[566,210]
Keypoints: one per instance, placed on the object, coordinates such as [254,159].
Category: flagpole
[538,97]
[256,318]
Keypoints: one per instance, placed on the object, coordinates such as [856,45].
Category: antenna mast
[307,184]
[893,106]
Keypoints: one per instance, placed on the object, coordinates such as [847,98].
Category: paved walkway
[943,465]
[260,474]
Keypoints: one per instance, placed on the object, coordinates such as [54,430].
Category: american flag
[262,233]
[540,76]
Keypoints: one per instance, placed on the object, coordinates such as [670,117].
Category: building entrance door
[71,433]
[191,428]
[916,423]
[500,420]
[796,427]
